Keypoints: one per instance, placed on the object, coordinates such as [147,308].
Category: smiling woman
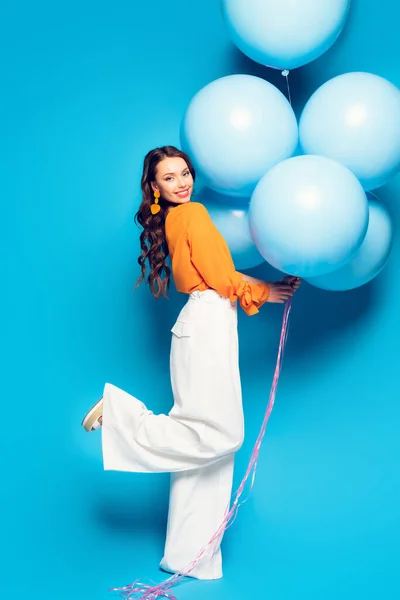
[173,180]
[196,442]
[167,181]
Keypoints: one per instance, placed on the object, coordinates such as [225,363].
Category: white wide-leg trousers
[197,440]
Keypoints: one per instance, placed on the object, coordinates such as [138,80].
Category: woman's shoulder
[194,208]
[189,212]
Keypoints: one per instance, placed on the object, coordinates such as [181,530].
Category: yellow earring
[155,208]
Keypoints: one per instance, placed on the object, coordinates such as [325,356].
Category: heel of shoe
[91,418]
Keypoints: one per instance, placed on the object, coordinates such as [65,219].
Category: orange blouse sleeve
[211,257]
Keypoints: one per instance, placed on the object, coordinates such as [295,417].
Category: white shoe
[91,420]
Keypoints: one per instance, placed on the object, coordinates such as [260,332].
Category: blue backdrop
[87,88]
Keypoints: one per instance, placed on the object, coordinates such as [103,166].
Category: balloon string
[285,74]
[152,592]
[374,195]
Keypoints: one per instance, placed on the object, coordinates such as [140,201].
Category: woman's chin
[181,200]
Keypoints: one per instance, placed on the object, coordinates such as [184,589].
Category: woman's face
[173,180]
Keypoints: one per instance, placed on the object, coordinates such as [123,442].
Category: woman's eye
[186,173]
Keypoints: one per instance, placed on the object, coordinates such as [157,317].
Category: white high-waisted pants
[197,440]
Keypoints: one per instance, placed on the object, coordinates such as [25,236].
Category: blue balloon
[235,129]
[369,259]
[308,216]
[232,221]
[284,34]
[355,119]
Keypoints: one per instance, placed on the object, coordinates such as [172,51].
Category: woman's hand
[279,292]
[282,290]
[294,282]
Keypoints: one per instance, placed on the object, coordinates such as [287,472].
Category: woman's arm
[254,280]
[212,259]
[210,255]
[279,290]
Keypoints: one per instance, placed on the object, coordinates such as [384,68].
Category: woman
[197,440]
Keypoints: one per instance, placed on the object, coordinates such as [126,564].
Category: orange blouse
[201,258]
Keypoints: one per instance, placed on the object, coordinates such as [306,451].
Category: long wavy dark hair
[153,240]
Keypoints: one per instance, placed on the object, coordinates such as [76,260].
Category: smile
[183,193]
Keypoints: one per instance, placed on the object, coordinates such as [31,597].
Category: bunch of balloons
[295,194]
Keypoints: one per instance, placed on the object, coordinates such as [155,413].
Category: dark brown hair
[153,241]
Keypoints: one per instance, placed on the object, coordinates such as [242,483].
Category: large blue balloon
[233,223]
[369,259]
[308,216]
[235,129]
[282,33]
[355,119]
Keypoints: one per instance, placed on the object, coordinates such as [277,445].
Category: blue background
[87,89]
